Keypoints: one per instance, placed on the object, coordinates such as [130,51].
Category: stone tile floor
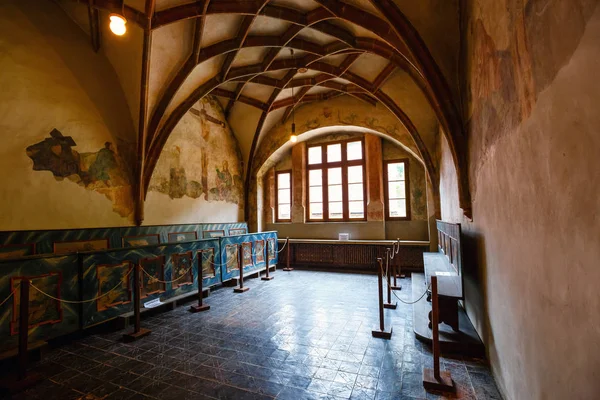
[303,335]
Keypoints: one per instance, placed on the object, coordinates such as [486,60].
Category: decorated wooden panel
[253,257]
[141,240]
[16,250]
[114,284]
[57,276]
[152,275]
[207,261]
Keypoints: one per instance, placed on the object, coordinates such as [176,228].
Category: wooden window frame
[324,166]
[277,173]
[406,188]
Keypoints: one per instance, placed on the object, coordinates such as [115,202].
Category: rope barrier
[82,301]
[11,294]
[285,244]
[394,293]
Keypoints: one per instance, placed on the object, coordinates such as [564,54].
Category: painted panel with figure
[259,251]
[16,250]
[114,285]
[207,261]
[152,275]
[231,258]
[182,273]
[200,165]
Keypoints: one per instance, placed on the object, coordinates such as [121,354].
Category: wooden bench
[446,264]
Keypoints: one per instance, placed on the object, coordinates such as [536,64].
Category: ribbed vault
[241,52]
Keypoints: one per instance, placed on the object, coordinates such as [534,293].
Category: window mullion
[325,188]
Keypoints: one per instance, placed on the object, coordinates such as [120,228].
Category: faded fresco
[102,171]
[201,158]
[208,263]
[513,54]
[259,251]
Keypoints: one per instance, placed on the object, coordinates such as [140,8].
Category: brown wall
[532,250]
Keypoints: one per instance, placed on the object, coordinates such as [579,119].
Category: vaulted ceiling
[253,54]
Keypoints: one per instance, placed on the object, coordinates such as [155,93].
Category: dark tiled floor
[304,335]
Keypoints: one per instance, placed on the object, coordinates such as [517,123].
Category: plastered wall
[65,125]
[532,250]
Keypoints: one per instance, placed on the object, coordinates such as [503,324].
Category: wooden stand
[389,304]
[200,306]
[267,277]
[434,379]
[21,380]
[241,288]
[287,261]
[138,331]
[381,332]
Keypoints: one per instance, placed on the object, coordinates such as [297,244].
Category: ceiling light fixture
[118,21]
[293,137]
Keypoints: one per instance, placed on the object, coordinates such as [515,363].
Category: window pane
[284,211]
[283,196]
[316,194]
[355,174]
[355,191]
[283,181]
[315,155]
[354,150]
[334,152]
[336,210]
[397,208]
[315,177]
[335,193]
[316,210]
[357,209]
[397,190]
[334,176]
[396,171]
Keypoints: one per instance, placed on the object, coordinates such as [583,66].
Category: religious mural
[43,310]
[247,254]
[200,158]
[102,171]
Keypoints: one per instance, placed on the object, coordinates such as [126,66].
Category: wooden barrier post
[381,332]
[399,267]
[395,267]
[389,303]
[287,261]
[434,379]
[241,288]
[267,277]
[23,380]
[138,331]
[200,306]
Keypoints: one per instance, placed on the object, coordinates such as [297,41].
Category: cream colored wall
[50,78]
[198,146]
[532,250]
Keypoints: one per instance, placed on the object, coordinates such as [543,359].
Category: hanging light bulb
[293,137]
[117,24]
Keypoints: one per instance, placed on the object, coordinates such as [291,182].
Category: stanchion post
[398,266]
[138,331]
[287,257]
[381,332]
[389,304]
[434,379]
[200,306]
[241,288]
[23,380]
[267,277]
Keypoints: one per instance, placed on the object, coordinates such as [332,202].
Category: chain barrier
[82,301]
[394,293]
[11,294]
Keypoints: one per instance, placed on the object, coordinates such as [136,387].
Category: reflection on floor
[304,335]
